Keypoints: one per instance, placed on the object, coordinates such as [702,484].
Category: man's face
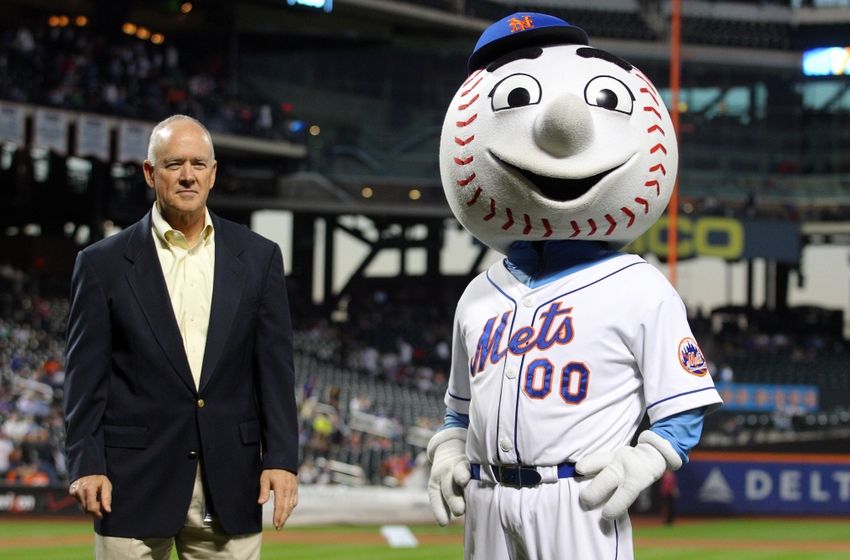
[183,172]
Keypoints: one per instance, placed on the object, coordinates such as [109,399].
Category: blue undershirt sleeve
[682,430]
[455,419]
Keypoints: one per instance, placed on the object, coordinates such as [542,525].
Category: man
[179,400]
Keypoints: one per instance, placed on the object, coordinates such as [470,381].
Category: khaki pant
[195,541]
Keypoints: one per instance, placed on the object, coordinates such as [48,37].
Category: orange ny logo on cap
[520,24]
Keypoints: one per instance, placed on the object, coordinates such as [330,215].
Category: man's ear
[148,169]
[212,175]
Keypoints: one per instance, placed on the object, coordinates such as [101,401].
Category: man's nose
[564,127]
[187,174]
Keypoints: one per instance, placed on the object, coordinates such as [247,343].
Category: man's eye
[609,93]
[518,90]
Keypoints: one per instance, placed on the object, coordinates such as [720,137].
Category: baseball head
[549,138]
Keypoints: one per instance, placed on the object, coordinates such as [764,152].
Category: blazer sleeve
[275,370]
[88,358]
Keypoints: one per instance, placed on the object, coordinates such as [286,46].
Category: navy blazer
[132,411]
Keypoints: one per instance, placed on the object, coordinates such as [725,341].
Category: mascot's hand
[450,473]
[620,476]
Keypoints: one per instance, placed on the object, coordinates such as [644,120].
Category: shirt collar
[174,238]
[538,263]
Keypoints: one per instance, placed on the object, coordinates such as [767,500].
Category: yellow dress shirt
[188,275]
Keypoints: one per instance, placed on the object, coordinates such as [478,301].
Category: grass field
[739,539]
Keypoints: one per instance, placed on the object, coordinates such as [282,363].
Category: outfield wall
[321,504]
[729,483]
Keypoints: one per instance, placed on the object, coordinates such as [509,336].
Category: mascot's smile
[558,188]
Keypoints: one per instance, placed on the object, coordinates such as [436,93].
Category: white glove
[620,476]
[450,473]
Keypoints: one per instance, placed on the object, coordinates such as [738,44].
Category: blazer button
[193,454]
[201,403]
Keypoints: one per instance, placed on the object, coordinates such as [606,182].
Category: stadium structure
[326,118]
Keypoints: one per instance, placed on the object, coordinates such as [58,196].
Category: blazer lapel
[148,285]
[228,281]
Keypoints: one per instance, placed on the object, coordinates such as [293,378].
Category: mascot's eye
[518,90]
[609,93]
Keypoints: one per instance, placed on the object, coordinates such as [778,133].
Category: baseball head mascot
[558,154]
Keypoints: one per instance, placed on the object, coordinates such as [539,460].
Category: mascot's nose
[564,127]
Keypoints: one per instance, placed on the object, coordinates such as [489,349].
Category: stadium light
[827,61]
[325,5]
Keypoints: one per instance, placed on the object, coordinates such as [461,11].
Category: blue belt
[521,475]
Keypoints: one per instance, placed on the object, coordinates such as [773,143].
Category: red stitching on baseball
[655,184]
[576,229]
[645,204]
[460,142]
[613,223]
[492,210]
[646,90]
[465,106]
[640,75]
[658,167]
[652,110]
[657,147]
[547,227]
[474,198]
[467,122]
[472,76]
[510,223]
[630,214]
[592,225]
[655,128]
[465,161]
[466,181]
[472,87]
[527,228]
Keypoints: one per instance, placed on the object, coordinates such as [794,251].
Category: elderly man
[179,401]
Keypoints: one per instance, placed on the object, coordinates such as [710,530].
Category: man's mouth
[557,188]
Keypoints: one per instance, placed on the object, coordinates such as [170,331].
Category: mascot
[558,154]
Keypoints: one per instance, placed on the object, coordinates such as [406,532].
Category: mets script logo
[520,24]
[691,358]
[556,327]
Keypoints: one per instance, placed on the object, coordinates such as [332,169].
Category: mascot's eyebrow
[589,52]
[519,54]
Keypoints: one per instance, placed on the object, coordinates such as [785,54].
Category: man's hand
[620,476]
[93,493]
[284,484]
[450,473]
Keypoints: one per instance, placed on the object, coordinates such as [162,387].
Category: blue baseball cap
[523,29]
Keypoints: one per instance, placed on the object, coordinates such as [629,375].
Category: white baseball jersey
[554,373]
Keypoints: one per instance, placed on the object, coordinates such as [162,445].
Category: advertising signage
[727,238]
[719,483]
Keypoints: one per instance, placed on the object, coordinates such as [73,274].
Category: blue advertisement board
[764,483]
[764,397]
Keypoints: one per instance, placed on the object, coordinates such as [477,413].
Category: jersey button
[510,373]
[505,444]
[528,302]
[201,403]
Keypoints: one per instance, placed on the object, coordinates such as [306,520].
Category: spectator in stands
[78,68]
[166,418]
[669,495]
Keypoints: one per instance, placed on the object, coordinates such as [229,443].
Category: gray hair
[153,143]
